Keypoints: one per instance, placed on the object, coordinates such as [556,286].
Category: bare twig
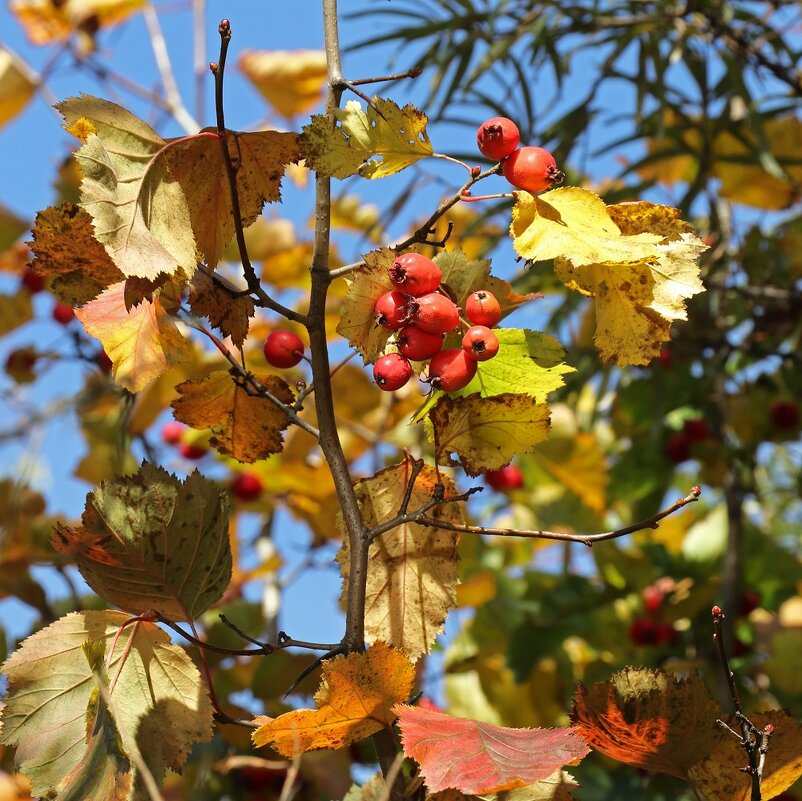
[414,72]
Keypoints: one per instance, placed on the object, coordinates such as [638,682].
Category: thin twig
[199,65]
[414,72]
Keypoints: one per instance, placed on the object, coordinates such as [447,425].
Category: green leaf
[159,707]
[149,541]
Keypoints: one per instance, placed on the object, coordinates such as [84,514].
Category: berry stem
[444,157]
[468,198]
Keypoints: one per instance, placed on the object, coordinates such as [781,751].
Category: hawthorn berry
[480,343]
[103,361]
[644,631]
[392,371]
[509,477]
[417,344]
[391,309]
[20,364]
[697,430]
[434,313]
[32,281]
[677,447]
[190,450]
[451,370]
[532,168]
[482,308]
[283,348]
[666,634]
[247,487]
[748,602]
[652,599]
[784,415]
[172,432]
[415,275]
[497,138]
[63,313]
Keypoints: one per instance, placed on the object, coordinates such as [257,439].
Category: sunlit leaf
[18,83]
[15,310]
[354,700]
[226,311]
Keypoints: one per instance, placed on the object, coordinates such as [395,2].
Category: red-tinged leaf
[479,758]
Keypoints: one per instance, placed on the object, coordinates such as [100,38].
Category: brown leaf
[355,699]
[244,426]
[230,314]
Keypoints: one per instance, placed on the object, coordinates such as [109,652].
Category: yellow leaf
[377,143]
[354,700]
[478,589]
[486,433]
[15,310]
[349,213]
[292,81]
[141,343]
[18,83]
[244,426]
[412,569]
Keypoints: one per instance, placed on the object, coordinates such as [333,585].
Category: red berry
[103,361]
[415,275]
[784,415]
[482,308]
[697,430]
[20,362]
[391,310]
[247,487]
[506,478]
[666,634]
[190,451]
[497,137]
[417,344]
[32,282]
[172,432]
[678,447]
[532,168]
[434,313]
[451,370]
[716,611]
[644,631]
[480,343]
[652,599]
[283,348]
[392,371]
[748,602]
[63,313]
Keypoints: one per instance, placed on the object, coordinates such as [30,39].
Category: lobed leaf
[226,312]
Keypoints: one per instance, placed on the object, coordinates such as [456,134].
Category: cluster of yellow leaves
[18,83]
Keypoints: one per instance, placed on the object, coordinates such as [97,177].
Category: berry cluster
[421,314]
[531,168]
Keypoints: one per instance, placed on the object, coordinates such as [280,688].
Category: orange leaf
[479,758]
[355,699]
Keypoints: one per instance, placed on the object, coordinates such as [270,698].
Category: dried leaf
[150,541]
[479,758]
[559,786]
[18,84]
[412,569]
[244,426]
[354,700]
[230,314]
[15,310]
[142,343]
[486,433]
[161,709]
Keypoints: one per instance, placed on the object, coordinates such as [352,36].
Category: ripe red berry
[506,478]
[434,313]
[391,309]
[392,371]
[665,357]
[677,447]
[748,602]
[480,343]
[191,451]
[784,415]
[652,599]
[417,344]
[415,275]
[63,313]
[482,308]
[451,370]
[172,432]
[247,487]
[283,348]
[32,282]
[666,634]
[103,361]
[497,137]
[697,430]
[644,631]
[532,168]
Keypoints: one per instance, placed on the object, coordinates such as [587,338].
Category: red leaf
[478,758]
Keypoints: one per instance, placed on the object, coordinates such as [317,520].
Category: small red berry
[391,309]
[748,602]
[644,631]
[497,137]
[434,313]
[247,487]
[63,313]
[172,432]
[480,343]
[103,361]
[451,370]
[392,371]
[283,348]
[191,451]
[697,430]
[665,357]
[482,308]
[716,611]
[32,282]
[652,599]
[532,168]
[666,634]
[415,275]
[784,415]
[509,477]
[677,447]
[417,344]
